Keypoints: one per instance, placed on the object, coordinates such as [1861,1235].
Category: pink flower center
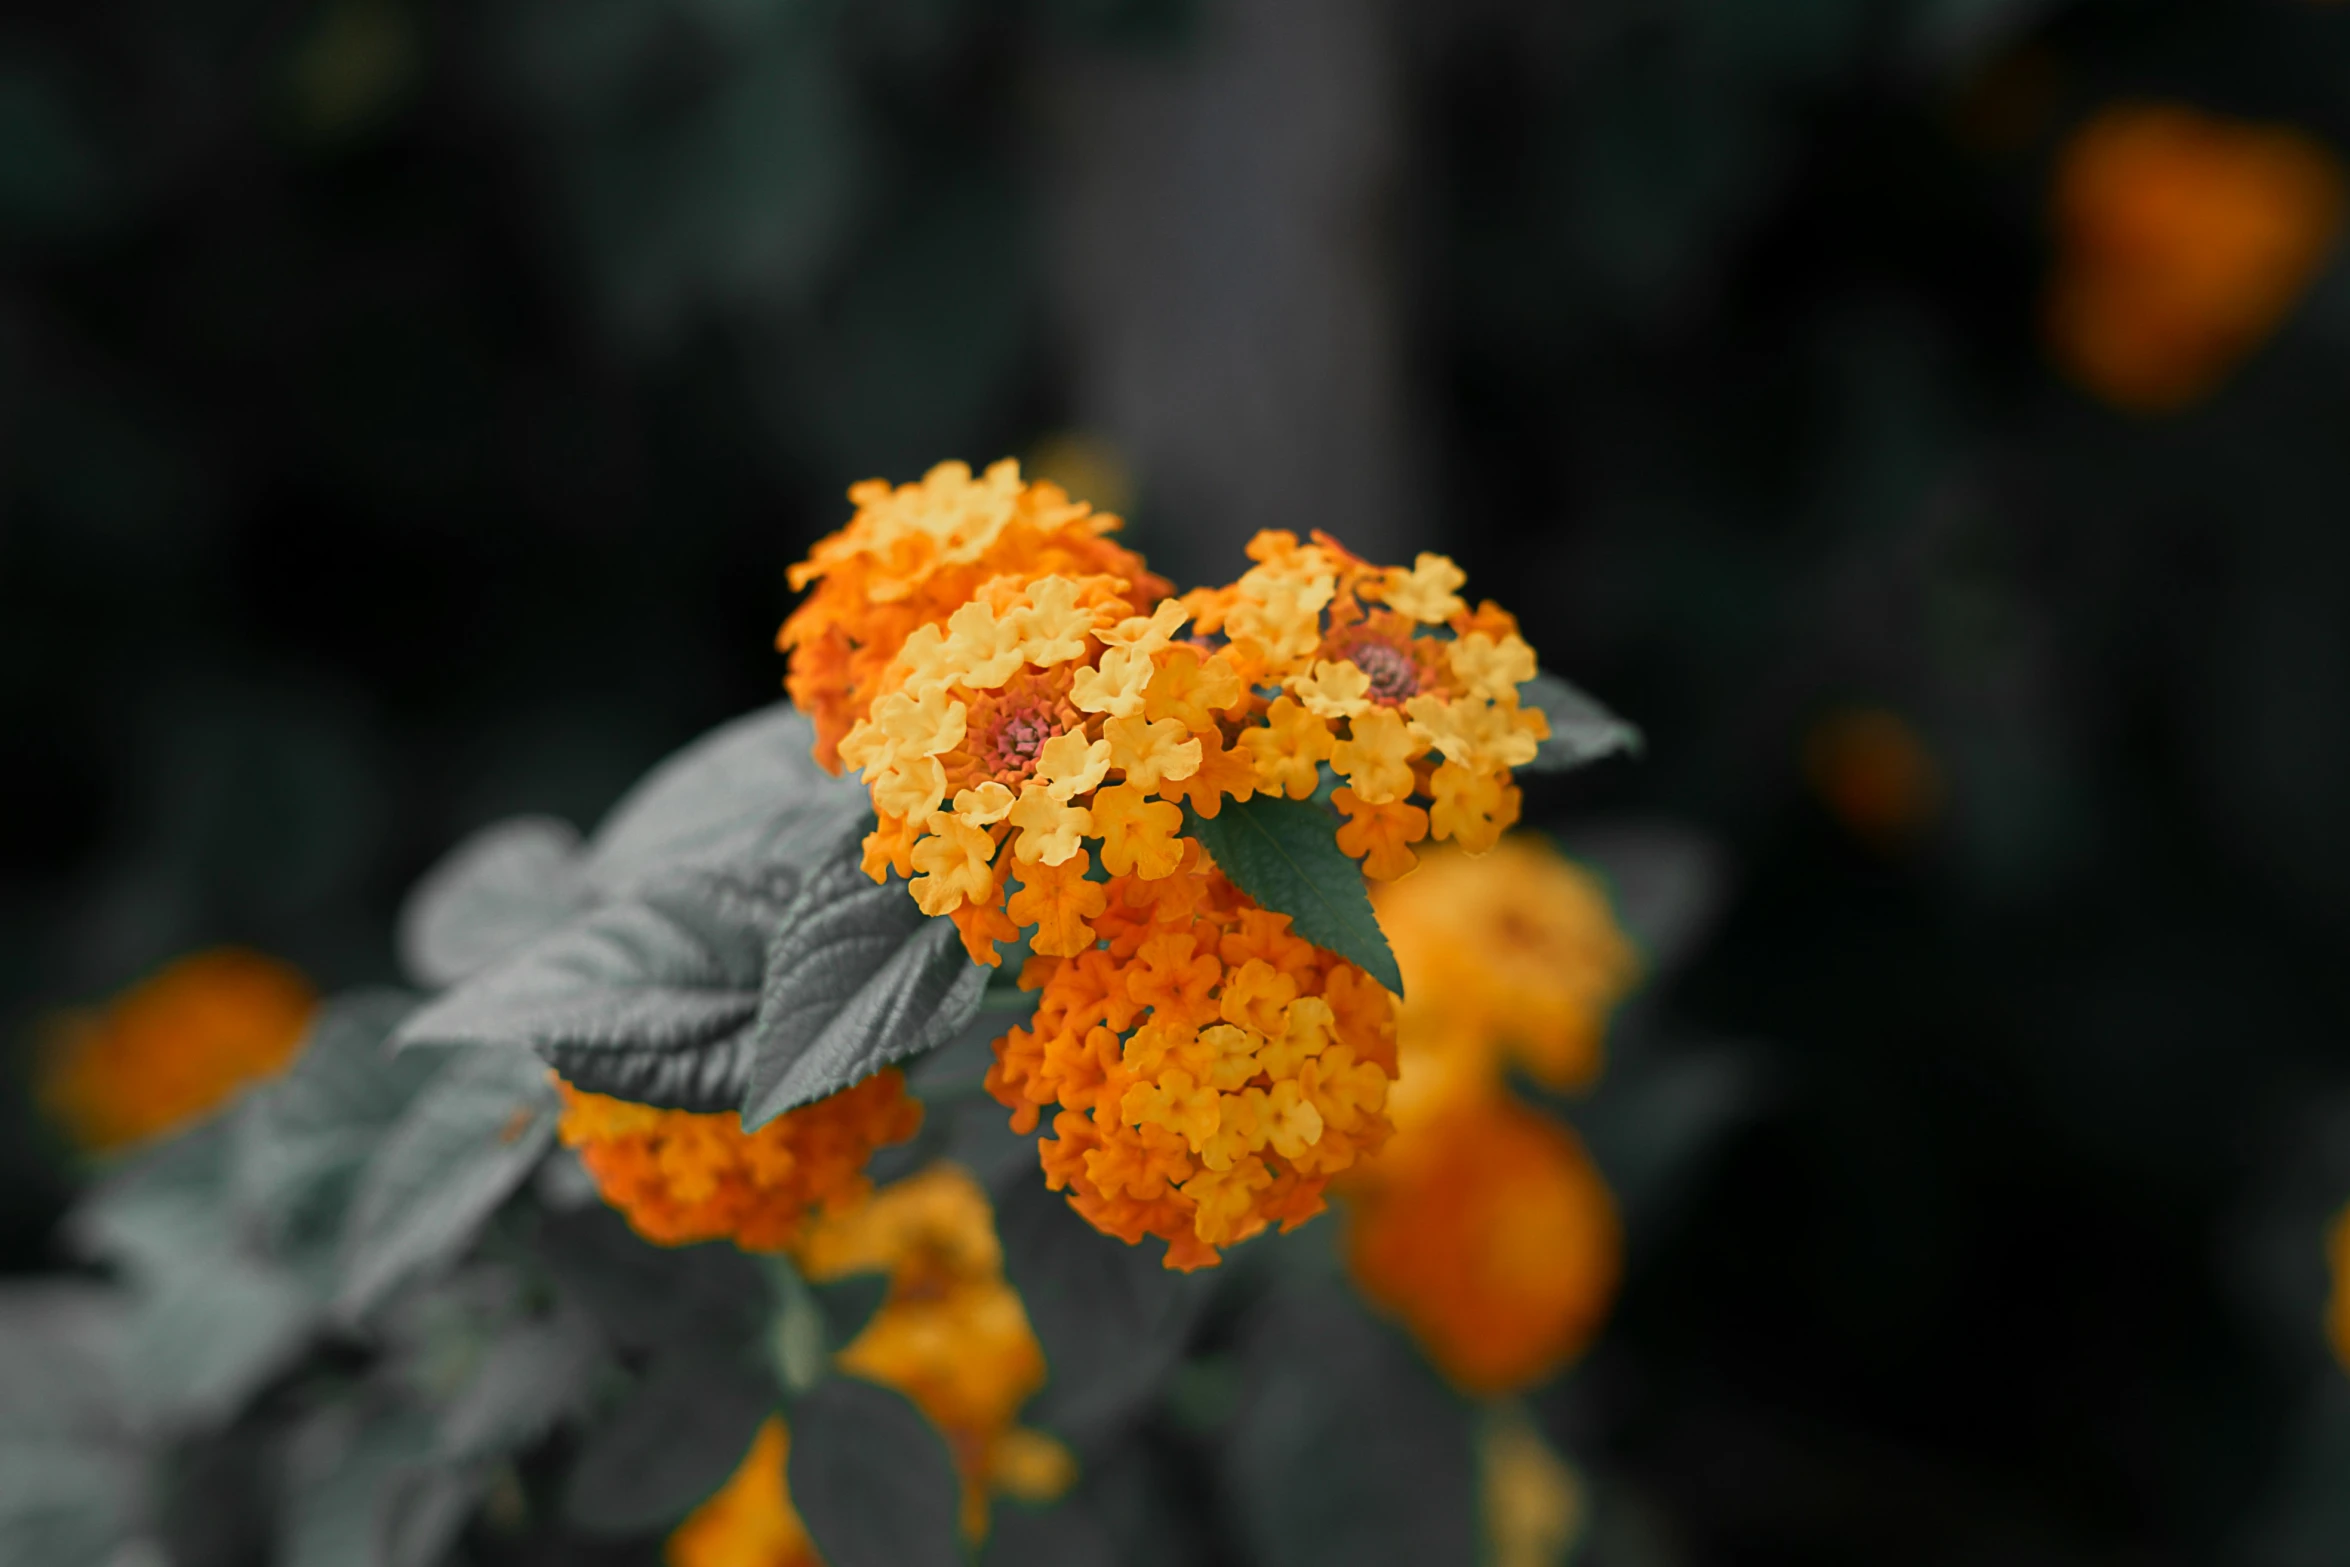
[1393,674]
[1012,749]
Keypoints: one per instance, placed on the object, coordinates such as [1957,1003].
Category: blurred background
[1925,418]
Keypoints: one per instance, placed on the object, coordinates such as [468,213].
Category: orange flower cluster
[1055,711]
[911,557]
[1213,1070]
[174,1046]
[682,1177]
[2184,239]
[1484,1226]
[2338,1303]
[951,1335]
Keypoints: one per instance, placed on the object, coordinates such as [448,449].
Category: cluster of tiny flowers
[1213,1070]
[1484,1226]
[951,1335]
[174,1046]
[912,556]
[680,1177]
[1052,717]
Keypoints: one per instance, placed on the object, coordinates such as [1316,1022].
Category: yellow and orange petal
[750,1521]
[173,1046]
[680,1177]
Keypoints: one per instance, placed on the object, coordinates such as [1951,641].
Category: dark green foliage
[1581,730]
[1285,855]
[671,1441]
[872,1479]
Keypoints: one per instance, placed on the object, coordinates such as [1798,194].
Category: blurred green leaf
[871,1478]
[533,1373]
[649,1298]
[457,1151]
[672,1441]
[75,1478]
[1580,729]
[503,887]
[1285,855]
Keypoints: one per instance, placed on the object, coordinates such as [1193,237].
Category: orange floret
[1491,1236]
[681,1177]
[750,1522]
[1212,1070]
[1483,1226]
[173,1046]
[911,556]
[2183,240]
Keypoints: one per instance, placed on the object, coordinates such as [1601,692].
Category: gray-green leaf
[858,977]
[495,893]
[1285,855]
[1581,730]
[871,1478]
[673,1441]
[462,1145]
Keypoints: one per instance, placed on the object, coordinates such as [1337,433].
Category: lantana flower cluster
[1066,708]
[951,1335]
[1484,1227]
[680,1177]
[176,1045]
[1212,1070]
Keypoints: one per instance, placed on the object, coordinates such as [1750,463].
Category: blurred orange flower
[1873,771]
[1483,1226]
[2338,1304]
[682,1177]
[173,1046]
[2183,240]
[951,1335]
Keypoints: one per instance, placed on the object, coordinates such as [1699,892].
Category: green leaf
[212,1316]
[495,893]
[1346,1451]
[461,1146]
[75,1480]
[1581,730]
[672,1441]
[651,999]
[871,1478]
[1110,1317]
[299,1140]
[720,804]
[533,1373]
[361,1491]
[650,1298]
[1285,855]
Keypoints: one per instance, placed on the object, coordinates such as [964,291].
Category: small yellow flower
[1053,627]
[1192,690]
[920,726]
[1427,591]
[1176,1101]
[1151,753]
[956,862]
[1138,833]
[1376,758]
[1471,808]
[1116,686]
[1051,831]
[984,650]
[1068,764]
[1292,1124]
[1477,733]
[986,805]
[912,789]
[1306,1032]
[1288,749]
[1281,613]
[1333,690]
[1490,669]
[1240,1130]
[1147,634]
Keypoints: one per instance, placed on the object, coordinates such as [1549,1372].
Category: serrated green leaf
[1581,730]
[871,1478]
[671,1442]
[651,999]
[858,978]
[501,889]
[1285,855]
[454,1155]
[1110,1317]
[719,804]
